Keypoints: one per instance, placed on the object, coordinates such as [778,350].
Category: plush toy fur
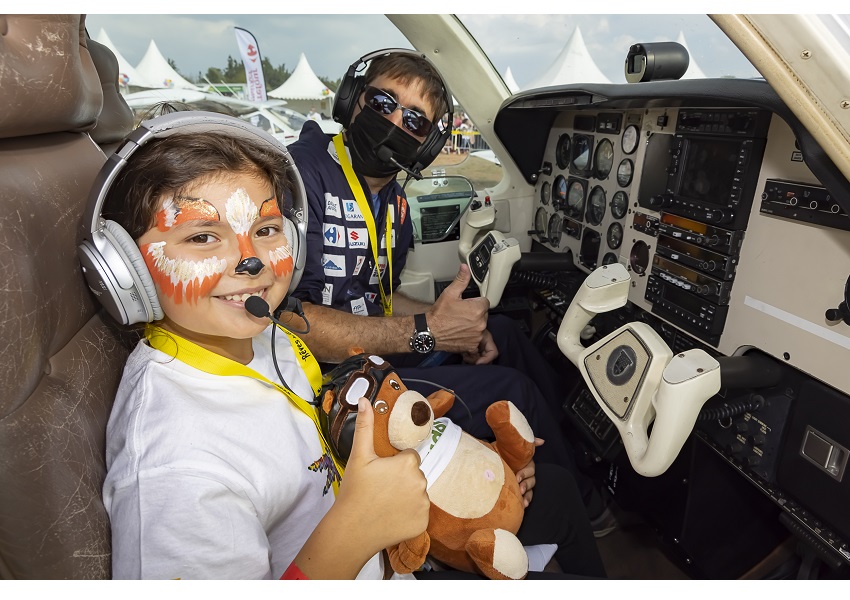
[476,504]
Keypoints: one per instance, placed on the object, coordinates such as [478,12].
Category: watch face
[422,342]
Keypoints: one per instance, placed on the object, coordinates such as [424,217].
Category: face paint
[281,260]
[179,278]
[241,213]
[270,208]
[174,212]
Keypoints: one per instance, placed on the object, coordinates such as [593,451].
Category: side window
[465,157]
[436,204]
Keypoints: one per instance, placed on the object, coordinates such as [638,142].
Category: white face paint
[180,278]
[169,212]
[241,212]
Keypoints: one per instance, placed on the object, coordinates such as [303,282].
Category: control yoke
[489,254]
[634,375]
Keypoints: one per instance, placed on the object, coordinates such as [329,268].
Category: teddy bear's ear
[328,402]
[355,350]
[441,401]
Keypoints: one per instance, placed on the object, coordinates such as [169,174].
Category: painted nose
[420,412]
[251,265]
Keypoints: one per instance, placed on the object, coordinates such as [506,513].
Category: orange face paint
[180,210]
[179,278]
[281,260]
[270,208]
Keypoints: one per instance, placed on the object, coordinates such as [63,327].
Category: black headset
[112,262]
[352,85]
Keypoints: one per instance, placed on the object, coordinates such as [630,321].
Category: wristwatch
[422,340]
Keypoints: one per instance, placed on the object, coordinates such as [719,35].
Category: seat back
[60,363]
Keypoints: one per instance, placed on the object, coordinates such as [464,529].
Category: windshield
[291,118]
[532,51]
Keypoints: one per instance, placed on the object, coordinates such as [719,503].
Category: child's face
[211,248]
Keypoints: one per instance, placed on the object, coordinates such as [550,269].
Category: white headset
[112,262]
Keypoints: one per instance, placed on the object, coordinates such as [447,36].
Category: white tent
[573,65]
[155,69]
[127,74]
[693,72]
[510,81]
[303,90]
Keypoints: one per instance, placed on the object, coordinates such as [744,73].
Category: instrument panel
[734,227]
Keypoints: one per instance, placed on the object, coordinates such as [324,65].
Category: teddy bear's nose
[420,413]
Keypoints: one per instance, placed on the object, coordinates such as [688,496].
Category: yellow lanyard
[215,364]
[365,208]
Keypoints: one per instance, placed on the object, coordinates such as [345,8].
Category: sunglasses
[384,104]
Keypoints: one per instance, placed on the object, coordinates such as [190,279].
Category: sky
[527,43]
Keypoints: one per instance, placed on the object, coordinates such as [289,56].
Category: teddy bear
[476,503]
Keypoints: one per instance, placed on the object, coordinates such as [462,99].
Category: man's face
[410,95]
[201,241]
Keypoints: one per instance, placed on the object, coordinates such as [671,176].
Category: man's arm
[458,325]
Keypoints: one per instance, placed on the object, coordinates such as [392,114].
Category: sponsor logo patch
[334,235]
[352,211]
[370,296]
[402,203]
[333,265]
[359,265]
[358,307]
[358,238]
[332,206]
[327,294]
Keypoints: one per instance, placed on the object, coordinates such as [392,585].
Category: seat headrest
[48,82]
[116,118]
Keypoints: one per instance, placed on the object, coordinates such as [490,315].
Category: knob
[736,447]
[742,427]
[713,240]
[757,439]
[661,200]
[752,460]
[813,204]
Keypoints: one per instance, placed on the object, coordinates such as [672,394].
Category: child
[214,471]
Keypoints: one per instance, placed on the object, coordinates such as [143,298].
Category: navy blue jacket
[340,270]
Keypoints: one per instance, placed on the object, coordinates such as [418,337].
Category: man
[392,119]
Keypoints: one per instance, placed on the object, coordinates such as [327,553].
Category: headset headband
[184,122]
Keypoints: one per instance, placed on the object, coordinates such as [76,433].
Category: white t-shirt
[209,477]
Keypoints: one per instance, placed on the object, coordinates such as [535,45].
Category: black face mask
[370,131]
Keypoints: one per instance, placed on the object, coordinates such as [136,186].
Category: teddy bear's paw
[498,554]
[409,555]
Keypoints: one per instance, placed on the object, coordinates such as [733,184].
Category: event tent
[155,69]
[127,74]
[510,81]
[693,72]
[304,90]
[573,65]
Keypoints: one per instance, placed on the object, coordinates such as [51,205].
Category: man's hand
[487,351]
[458,323]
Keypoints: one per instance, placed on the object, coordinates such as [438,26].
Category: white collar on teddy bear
[434,457]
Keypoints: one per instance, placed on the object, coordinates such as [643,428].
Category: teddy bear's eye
[394,384]
[381,407]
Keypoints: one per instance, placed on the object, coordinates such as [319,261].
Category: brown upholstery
[115,118]
[59,363]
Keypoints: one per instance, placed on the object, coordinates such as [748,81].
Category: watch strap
[420,323]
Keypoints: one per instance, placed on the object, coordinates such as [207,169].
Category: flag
[250,51]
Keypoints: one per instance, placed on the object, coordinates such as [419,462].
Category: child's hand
[387,496]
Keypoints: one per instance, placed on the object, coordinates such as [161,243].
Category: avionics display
[709,169]
[713,166]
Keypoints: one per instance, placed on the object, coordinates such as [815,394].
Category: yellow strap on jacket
[365,208]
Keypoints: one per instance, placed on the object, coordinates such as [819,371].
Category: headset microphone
[260,309]
[386,155]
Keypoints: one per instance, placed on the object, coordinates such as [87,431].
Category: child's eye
[267,231]
[203,238]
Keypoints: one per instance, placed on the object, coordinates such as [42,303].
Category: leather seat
[60,362]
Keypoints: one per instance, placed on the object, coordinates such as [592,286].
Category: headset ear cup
[346,97]
[136,265]
[297,244]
